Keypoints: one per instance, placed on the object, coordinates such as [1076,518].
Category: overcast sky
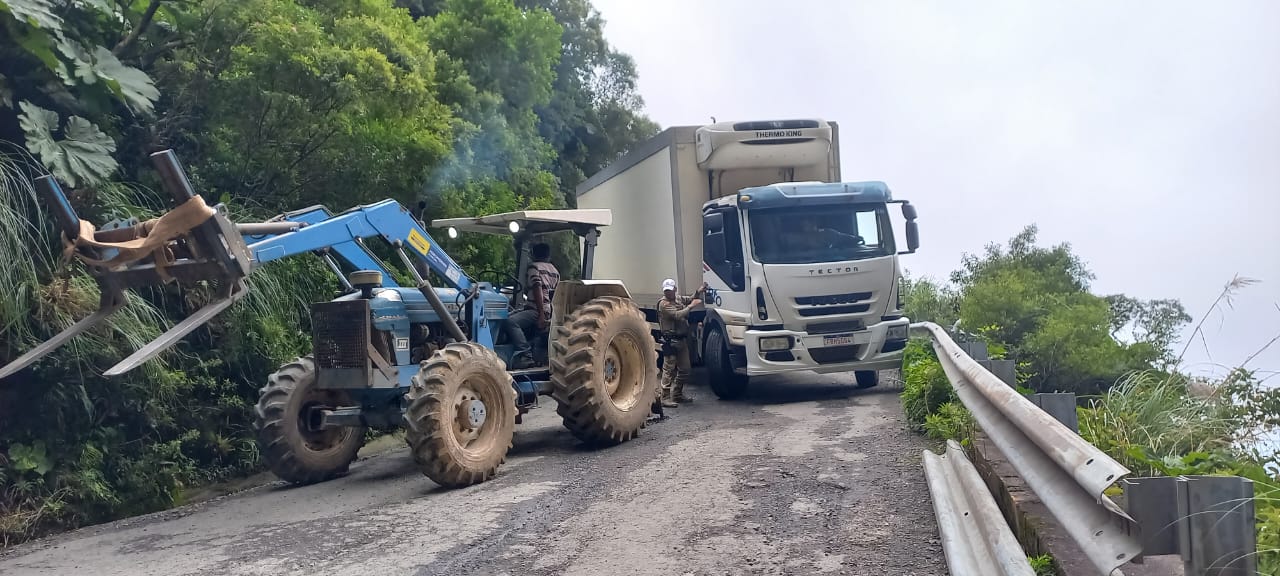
[1147,134]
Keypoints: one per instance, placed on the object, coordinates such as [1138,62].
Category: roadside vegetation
[473,106]
[1032,304]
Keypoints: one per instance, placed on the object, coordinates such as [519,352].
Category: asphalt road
[806,476]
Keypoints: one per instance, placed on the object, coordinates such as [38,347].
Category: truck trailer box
[657,191]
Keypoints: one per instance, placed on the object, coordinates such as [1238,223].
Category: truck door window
[868,227]
[722,247]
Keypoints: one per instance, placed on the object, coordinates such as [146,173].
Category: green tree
[1035,302]
[292,104]
[926,300]
[594,115]
[1153,323]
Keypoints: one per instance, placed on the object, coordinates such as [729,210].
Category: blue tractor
[432,359]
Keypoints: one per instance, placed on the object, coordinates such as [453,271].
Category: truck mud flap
[738,359]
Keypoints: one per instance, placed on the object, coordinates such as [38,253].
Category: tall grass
[21,239]
[1149,415]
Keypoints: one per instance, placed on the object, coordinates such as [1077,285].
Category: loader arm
[352,252]
[387,219]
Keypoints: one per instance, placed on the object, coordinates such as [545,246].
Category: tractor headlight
[453,232]
[898,332]
[775,343]
[514,227]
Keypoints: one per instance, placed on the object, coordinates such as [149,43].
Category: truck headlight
[898,332]
[775,343]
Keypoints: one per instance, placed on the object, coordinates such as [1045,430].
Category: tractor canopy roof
[531,221]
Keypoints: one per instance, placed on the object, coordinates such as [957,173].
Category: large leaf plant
[71,79]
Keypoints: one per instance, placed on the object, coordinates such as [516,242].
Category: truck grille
[833,299]
[340,334]
[833,310]
[832,304]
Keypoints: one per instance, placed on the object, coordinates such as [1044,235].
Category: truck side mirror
[908,211]
[913,236]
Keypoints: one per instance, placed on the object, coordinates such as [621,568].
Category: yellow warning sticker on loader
[418,241]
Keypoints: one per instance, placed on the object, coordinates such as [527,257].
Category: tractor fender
[570,294]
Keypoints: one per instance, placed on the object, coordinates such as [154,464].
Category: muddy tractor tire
[604,371]
[292,448]
[461,416]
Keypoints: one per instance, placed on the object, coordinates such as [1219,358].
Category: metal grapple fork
[189,244]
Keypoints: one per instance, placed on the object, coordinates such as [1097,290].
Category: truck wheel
[726,383]
[604,371]
[461,415]
[866,378]
[295,451]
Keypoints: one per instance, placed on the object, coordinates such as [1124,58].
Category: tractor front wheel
[288,434]
[461,416]
[604,371]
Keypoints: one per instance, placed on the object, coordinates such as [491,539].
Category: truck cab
[803,276]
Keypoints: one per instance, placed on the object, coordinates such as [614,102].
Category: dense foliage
[1033,304]
[472,106]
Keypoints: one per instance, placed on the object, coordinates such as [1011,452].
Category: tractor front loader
[429,358]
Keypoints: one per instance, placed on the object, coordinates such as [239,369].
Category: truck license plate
[837,340]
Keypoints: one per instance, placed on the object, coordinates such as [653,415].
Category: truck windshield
[811,234]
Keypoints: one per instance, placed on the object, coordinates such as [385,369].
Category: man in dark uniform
[673,322]
[540,286]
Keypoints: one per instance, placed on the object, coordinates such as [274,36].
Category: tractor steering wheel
[516,286]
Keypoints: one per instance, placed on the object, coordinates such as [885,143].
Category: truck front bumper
[877,347]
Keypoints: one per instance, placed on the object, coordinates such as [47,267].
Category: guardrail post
[1150,501]
[1003,369]
[976,350]
[1216,531]
[1060,405]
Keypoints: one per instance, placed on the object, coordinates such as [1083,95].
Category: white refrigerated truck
[803,268]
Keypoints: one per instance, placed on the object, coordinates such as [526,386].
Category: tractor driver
[540,285]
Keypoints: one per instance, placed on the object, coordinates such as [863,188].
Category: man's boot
[522,361]
[664,397]
[678,395]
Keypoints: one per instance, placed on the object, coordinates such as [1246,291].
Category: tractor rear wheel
[289,438]
[461,416]
[604,371]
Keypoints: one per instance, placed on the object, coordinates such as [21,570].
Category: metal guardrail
[975,538]
[1067,473]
